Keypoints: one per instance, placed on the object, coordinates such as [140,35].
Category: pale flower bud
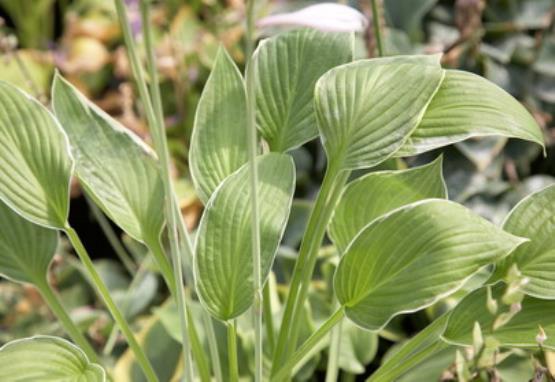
[327,17]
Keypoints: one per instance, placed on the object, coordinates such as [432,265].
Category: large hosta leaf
[26,249]
[410,258]
[35,164]
[46,359]
[287,68]
[367,109]
[534,218]
[219,140]
[223,261]
[118,170]
[467,105]
[377,193]
[520,331]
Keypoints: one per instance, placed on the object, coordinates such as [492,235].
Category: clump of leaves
[399,245]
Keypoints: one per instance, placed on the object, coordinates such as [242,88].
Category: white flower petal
[329,17]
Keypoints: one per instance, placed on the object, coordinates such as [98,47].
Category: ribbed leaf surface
[534,218]
[287,68]
[407,260]
[219,140]
[367,109]
[26,249]
[520,331]
[116,168]
[223,261]
[46,359]
[378,193]
[35,165]
[467,105]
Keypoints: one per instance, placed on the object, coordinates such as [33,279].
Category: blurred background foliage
[510,42]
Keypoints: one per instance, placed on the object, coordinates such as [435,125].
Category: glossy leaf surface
[378,193]
[26,249]
[219,139]
[520,331]
[367,109]
[467,105]
[287,68]
[47,359]
[116,168]
[35,164]
[407,260]
[223,261]
[534,218]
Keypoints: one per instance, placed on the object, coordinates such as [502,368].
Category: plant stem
[108,231]
[268,318]
[232,352]
[332,368]
[156,123]
[212,346]
[120,320]
[311,342]
[333,183]
[253,171]
[377,28]
[61,314]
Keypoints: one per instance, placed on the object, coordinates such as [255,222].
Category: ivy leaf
[287,68]
[367,109]
[47,359]
[26,249]
[467,105]
[521,331]
[115,167]
[219,139]
[534,218]
[378,193]
[410,258]
[35,163]
[223,261]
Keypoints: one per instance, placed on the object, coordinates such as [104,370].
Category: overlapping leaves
[408,259]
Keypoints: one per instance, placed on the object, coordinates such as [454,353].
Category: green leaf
[423,346]
[287,68]
[407,260]
[26,249]
[223,261]
[378,193]
[115,167]
[367,109]
[219,139]
[534,218]
[358,348]
[35,164]
[45,359]
[521,331]
[467,105]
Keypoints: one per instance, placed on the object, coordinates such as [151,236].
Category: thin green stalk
[69,326]
[332,369]
[113,239]
[377,28]
[268,318]
[253,172]
[212,346]
[333,183]
[311,342]
[232,352]
[155,121]
[182,239]
[120,320]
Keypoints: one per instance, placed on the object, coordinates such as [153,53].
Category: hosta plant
[398,245]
